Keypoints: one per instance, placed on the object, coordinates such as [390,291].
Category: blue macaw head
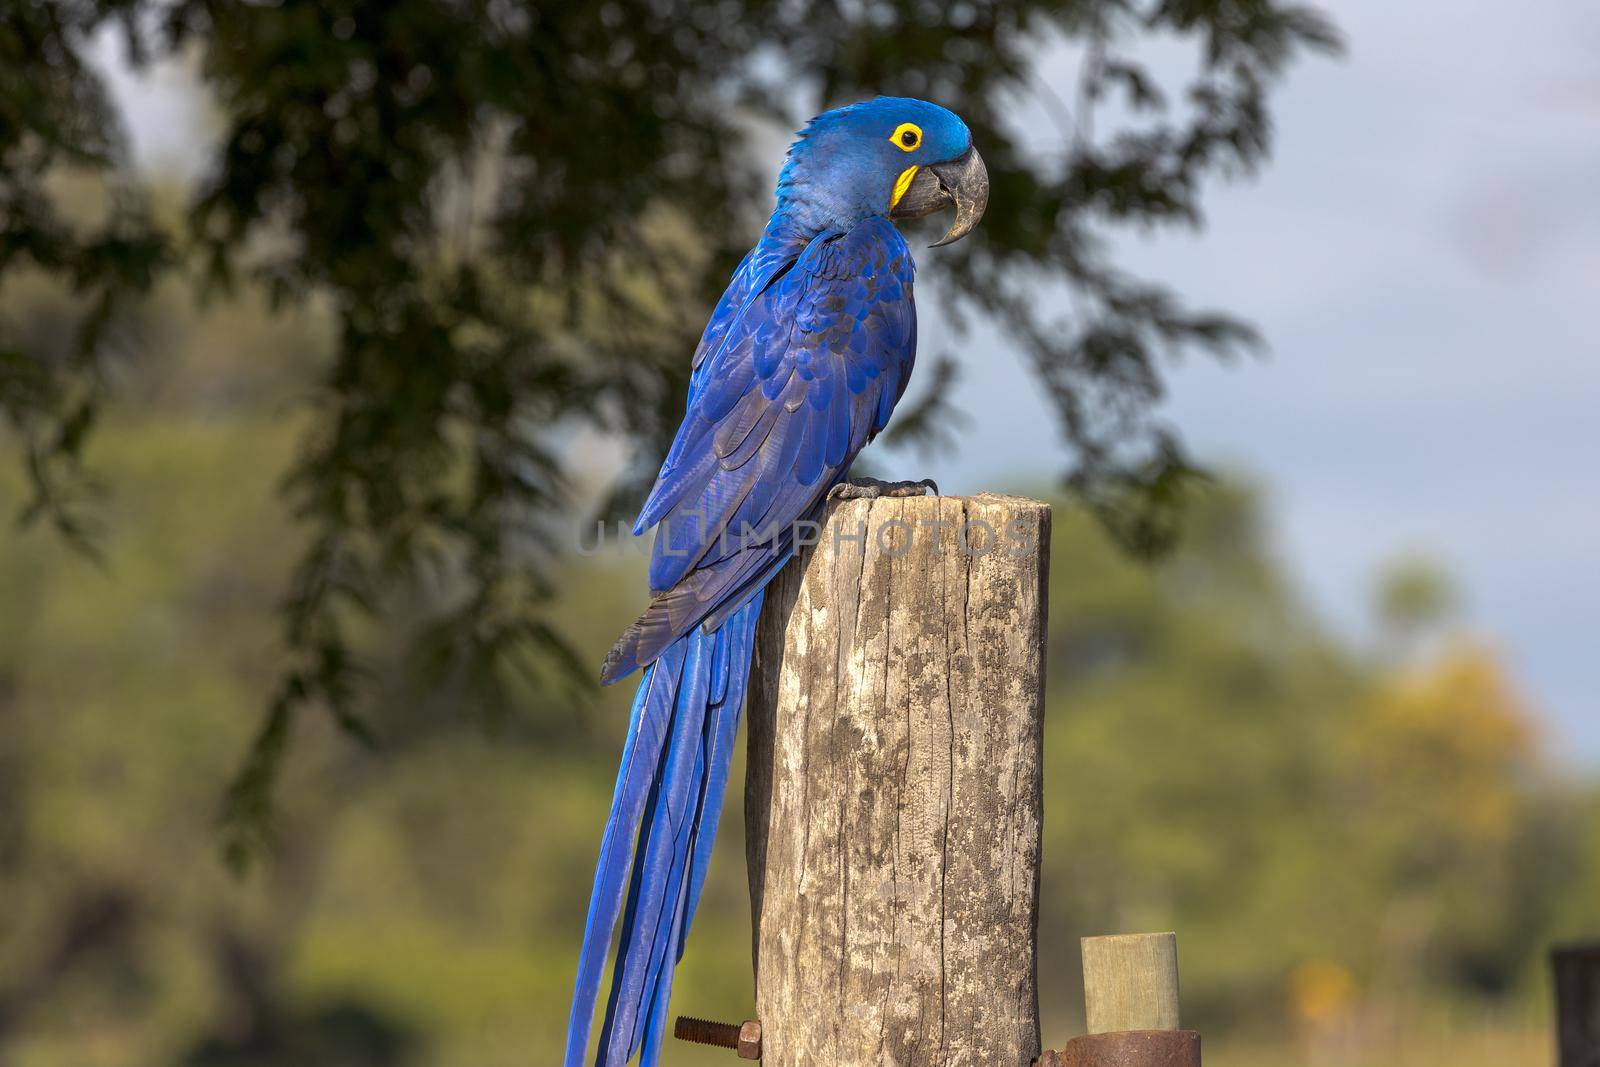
[893,156]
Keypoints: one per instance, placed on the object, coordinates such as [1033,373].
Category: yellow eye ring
[907,136]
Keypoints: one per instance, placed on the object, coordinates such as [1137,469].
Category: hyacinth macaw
[802,363]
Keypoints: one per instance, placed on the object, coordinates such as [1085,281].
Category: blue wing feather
[820,373]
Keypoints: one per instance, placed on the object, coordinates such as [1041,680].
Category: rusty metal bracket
[1129,1048]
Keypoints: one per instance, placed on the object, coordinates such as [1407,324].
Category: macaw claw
[873,489]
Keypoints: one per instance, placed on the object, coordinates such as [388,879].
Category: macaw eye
[907,136]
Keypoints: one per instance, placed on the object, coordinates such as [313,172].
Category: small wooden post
[1130,982]
[1577,990]
[1130,995]
[894,795]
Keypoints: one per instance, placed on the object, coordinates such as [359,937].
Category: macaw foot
[872,489]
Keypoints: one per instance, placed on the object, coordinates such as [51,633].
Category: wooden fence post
[893,801]
[1577,989]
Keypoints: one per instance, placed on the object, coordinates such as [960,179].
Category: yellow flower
[1321,990]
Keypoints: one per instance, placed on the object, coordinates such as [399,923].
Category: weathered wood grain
[893,796]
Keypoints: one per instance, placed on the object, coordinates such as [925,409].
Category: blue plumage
[804,359]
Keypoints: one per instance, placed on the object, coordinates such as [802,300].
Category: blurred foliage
[1364,856]
[1414,593]
[502,210]
[1415,604]
[55,121]
[1320,827]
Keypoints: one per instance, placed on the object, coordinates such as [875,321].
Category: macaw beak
[962,183]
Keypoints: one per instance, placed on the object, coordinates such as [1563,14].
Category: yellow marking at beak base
[901,184]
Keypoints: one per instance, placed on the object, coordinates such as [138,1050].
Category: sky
[1422,255]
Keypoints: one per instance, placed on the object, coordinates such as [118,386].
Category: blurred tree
[1319,827]
[1194,710]
[1443,757]
[506,207]
[55,120]
[1416,598]
[1577,883]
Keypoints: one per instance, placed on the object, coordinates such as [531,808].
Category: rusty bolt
[750,1040]
[744,1038]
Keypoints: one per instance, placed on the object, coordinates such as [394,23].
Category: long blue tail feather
[640,755]
[668,801]
[655,979]
[656,889]
[740,645]
[730,672]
